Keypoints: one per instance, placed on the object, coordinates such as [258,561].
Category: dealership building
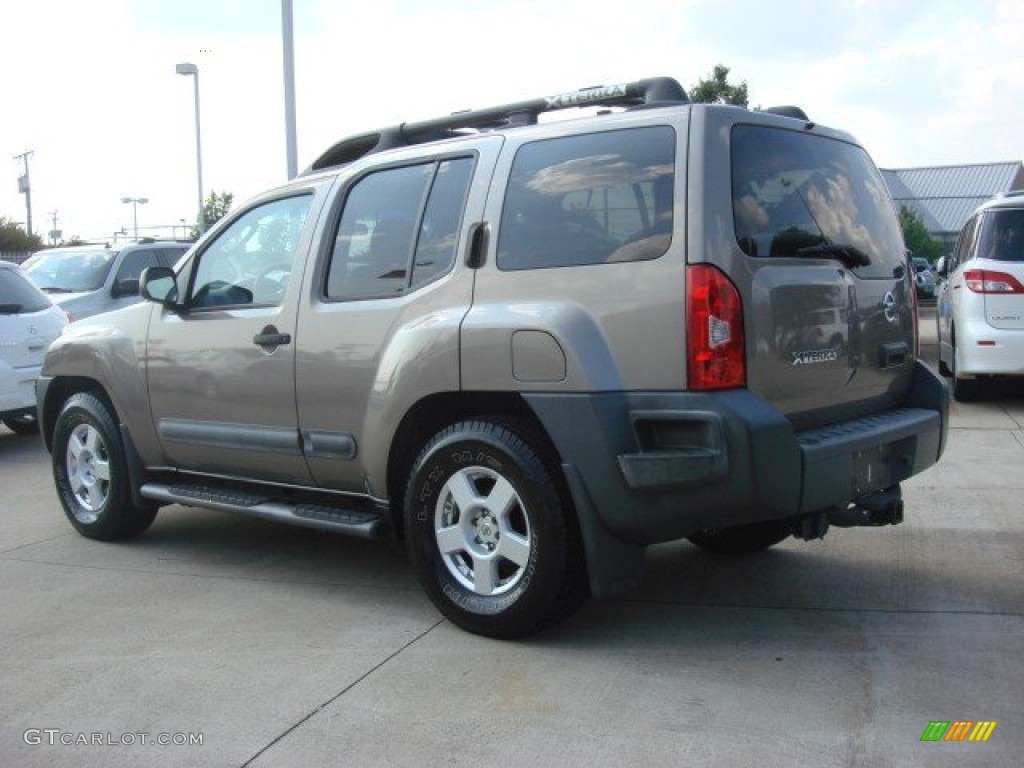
[945,196]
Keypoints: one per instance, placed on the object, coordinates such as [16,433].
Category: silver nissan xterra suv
[528,347]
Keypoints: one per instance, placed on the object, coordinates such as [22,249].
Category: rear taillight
[988,281]
[714,317]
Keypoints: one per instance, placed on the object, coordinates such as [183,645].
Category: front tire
[91,472]
[492,539]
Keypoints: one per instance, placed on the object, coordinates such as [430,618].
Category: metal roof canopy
[945,196]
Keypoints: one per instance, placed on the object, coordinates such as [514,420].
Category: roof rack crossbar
[654,90]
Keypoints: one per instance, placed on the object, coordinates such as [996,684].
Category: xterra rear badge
[815,356]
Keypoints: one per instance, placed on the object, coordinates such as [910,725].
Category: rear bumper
[657,466]
[983,349]
[17,387]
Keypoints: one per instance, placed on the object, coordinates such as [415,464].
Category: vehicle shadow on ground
[1006,391]
[832,582]
[832,577]
[232,545]
[14,446]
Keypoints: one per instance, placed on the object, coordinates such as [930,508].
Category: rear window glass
[598,198]
[18,295]
[1002,236]
[794,191]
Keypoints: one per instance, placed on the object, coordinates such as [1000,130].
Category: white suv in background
[981,304]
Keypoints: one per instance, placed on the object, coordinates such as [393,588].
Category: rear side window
[793,192]
[592,199]
[18,295]
[399,230]
[1002,236]
[168,257]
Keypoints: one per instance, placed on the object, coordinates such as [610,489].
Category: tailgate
[830,314]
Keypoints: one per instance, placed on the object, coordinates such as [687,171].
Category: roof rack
[788,110]
[649,92]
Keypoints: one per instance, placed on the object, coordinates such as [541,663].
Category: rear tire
[91,472]
[743,539]
[493,541]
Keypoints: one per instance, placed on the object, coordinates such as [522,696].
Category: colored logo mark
[958,730]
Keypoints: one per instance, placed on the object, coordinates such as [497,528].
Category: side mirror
[159,284]
[125,286]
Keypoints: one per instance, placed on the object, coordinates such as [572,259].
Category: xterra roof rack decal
[648,92]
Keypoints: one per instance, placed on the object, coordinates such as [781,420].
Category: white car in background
[29,321]
[981,304]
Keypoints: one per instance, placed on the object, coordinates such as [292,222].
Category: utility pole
[25,187]
[54,232]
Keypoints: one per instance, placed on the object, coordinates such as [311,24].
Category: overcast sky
[90,86]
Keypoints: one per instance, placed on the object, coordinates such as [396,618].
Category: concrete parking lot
[284,647]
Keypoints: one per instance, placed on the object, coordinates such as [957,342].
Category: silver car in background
[89,279]
[924,278]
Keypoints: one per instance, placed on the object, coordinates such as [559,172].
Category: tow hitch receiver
[872,509]
[878,508]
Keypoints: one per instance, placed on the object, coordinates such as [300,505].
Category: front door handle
[270,337]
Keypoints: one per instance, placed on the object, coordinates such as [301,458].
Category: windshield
[69,271]
[795,194]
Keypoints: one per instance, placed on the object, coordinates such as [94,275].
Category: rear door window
[794,193]
[591,199]
[399,229]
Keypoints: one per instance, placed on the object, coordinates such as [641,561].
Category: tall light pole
[187,68]
[135,210]
[287,38]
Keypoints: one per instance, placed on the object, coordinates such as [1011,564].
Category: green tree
[916,237]
[13,238]
[215,208]
[718,89]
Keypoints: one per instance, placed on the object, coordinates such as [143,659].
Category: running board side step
[352,522]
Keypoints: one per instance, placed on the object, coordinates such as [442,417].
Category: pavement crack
[5,552]
[317,710]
